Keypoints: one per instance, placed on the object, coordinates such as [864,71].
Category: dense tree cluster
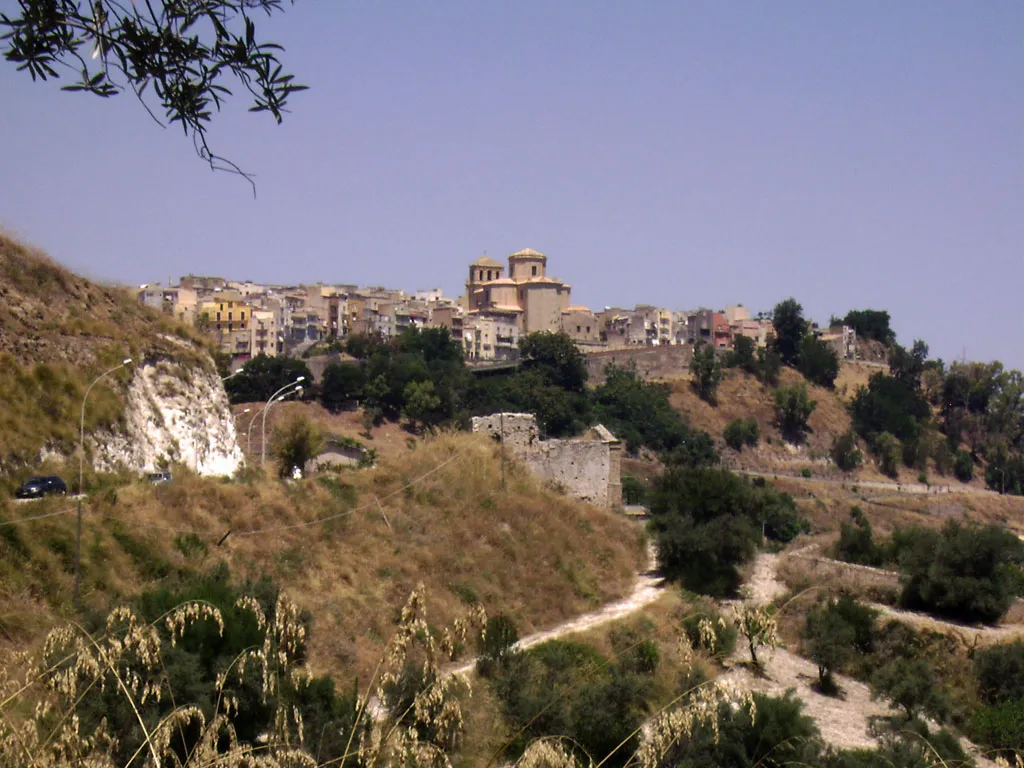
[706,371]
[262,376]
[709,522]
[798,347]
[870,324]
[963,572]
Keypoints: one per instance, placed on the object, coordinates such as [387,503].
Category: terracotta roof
[487,261]
[529,252]
[495,309]
[543,280]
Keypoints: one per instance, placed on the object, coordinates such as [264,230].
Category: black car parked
[37,487]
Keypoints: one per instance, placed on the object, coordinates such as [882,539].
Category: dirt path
[919,489]
[647,588]
[968,633]
[843,722]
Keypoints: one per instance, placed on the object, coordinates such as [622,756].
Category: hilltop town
[498,307]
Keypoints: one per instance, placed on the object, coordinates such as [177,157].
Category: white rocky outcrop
[174,413]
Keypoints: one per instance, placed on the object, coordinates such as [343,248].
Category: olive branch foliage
[184,50]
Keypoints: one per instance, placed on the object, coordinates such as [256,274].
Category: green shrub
[943,457]
[775,734]
[887,449]
[1000,726]
[741,432]
[295,443]
[148,563]
[499,638]
[818,362]
[705,371]
[792,409]
[635,654]
[806,472]
[725,632]
[1000,672]
[963,466]
[190,545]
[965,572]
[638,412]
[569,689]
[845,453]
[834,632]
[911,685]
[856,541]
[1005,472]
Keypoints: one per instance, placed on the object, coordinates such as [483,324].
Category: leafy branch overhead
[186,50]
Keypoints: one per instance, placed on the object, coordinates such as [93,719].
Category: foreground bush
[763,731]
[1001,727]
[219,681]
[568,689]
[1000,672]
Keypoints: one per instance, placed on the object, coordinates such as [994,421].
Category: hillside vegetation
[58,331]
[525,550]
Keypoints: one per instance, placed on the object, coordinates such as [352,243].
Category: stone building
[588,468]
[527,296]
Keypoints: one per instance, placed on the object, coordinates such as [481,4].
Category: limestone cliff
[173,413]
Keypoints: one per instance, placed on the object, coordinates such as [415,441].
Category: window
[588,329]
[229,316]
[534,271]
[488,274]
[218,317]
[579,330]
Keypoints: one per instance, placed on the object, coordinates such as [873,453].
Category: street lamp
[263,430]
[252,421]
[81,471]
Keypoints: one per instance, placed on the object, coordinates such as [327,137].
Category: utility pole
[502,418]
[81,474]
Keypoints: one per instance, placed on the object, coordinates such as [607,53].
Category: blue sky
[852,155]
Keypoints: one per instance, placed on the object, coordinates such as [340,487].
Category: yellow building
[226,311]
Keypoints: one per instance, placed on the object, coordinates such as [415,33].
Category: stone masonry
[588,468]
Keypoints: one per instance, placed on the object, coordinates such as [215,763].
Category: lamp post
[81,472]
[263,428]
[266,408]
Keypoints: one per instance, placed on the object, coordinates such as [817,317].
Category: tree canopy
[183,53]
[872,324]
[790,329]
[262,376]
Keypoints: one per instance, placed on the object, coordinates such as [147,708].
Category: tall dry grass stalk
[40,695]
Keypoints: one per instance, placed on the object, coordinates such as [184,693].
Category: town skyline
[849,156]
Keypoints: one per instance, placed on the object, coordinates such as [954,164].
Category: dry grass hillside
[435,514]
[742,396]
[57,332]
[48,314]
